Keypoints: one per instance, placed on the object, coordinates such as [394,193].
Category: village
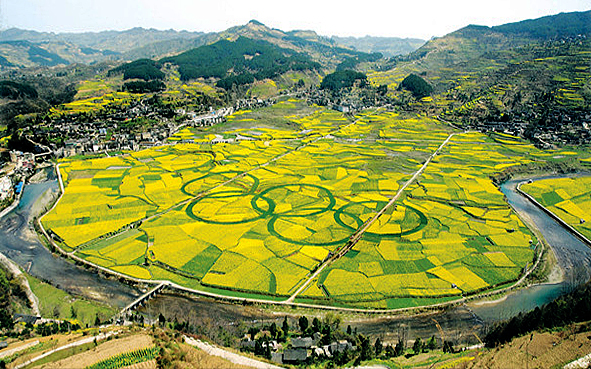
[141,125]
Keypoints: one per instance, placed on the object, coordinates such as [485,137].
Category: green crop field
[568,198]
[257,214]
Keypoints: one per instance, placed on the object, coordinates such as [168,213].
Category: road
[357,235]
[228,355]
[83,341]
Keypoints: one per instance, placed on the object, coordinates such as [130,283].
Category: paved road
[69,345]
[12,351]
[228,355]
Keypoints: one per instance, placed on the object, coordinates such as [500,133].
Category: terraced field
[257,214]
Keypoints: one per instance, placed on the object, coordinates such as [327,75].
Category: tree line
[570,308]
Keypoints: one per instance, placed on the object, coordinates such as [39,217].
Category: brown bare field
[198,359]
[537,350]
[104,351]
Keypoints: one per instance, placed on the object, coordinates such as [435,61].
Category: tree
[349,330]
[161,319]
[416,85]
[267,353]
[432,343]
[97,320]
[365,351]
[326,335]
[399,349]
[252,331]
[258,348]
[378,346]
[417,347]
[273,330]
[316,325]
[285,327]
[342,79]
[73,312]
[303,323]
[448,347]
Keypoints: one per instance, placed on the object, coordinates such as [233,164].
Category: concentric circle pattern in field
[266,213]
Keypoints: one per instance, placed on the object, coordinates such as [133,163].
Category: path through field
[230,356]
[357,235]
[73,344]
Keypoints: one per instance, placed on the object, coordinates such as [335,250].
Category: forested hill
[550,27]
[239,62]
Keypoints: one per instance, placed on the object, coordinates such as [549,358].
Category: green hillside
[239,62]
[535,73]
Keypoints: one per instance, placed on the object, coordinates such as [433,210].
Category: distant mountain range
[25,48]
[387,46]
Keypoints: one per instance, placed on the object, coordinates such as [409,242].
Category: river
[572,255]
[19,242]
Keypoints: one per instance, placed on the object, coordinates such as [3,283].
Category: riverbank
[456,316]
[20,243]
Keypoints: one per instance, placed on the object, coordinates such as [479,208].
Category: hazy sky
[414,18]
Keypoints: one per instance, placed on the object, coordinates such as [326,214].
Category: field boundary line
[558,219]
[83,341]
[206,192]
[235,299]
[356,236]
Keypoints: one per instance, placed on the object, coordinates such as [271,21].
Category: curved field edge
[567,198]
[238,293]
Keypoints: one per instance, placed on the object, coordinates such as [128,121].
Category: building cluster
[301,349]
[21,165]
[95,138]
[110,130]
[6,189]
[559,128]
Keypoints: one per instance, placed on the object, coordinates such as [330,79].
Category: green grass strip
[126,359]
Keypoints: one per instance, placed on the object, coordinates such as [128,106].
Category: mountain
[550,27]
[387,46]
[45,54]
[531,77]
[319,48]
[24,48]
[138,43]
[117,41]
[25,52]
[473,41]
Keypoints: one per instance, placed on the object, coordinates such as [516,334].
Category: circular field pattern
[247,184]
[231,207]
[412,221]
[299,200]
